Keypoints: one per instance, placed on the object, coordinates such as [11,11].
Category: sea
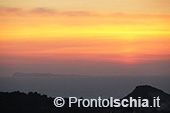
[83,86]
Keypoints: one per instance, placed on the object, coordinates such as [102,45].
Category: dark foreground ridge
[17,102]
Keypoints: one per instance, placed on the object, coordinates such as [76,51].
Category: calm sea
[83,86]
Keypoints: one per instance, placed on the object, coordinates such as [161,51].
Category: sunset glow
[44,33]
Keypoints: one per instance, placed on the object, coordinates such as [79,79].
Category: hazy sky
[96,37]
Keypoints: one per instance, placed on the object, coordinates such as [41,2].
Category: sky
[85,37]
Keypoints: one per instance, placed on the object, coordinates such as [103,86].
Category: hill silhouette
[18,102]
[148,92]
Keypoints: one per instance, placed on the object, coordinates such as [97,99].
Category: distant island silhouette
[20,74]
[33,102]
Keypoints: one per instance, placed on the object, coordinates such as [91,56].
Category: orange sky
[132,32]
